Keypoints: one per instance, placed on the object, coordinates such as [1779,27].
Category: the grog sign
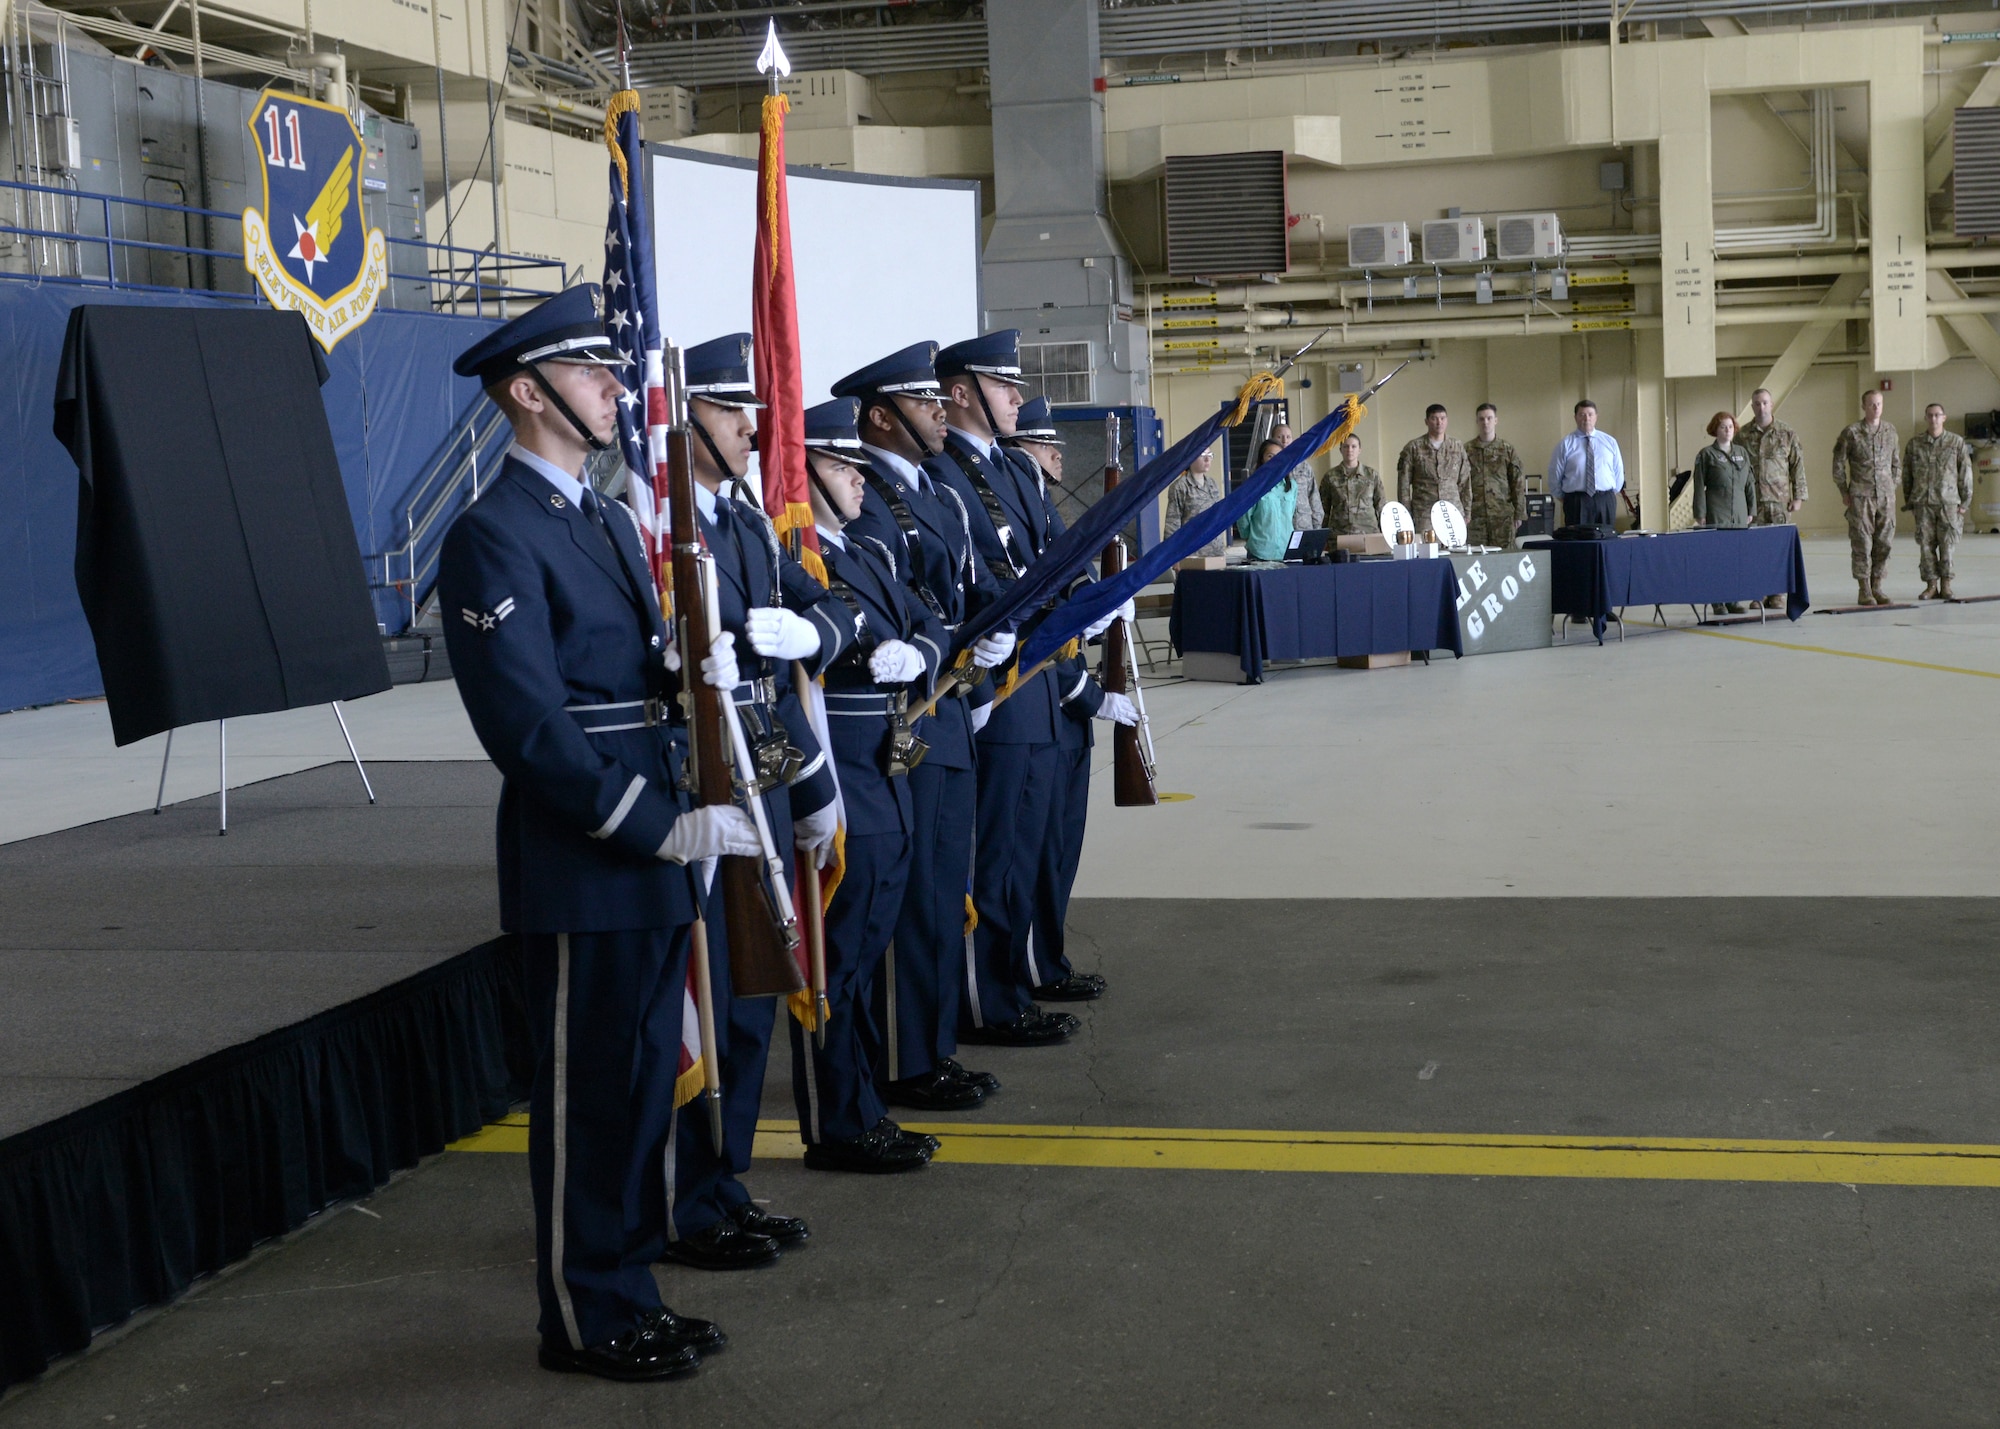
[1503,600]
[309,246]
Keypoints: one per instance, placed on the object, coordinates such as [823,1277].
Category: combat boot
[1867,595]
[1944,588]
[1930,591]
[1881,599]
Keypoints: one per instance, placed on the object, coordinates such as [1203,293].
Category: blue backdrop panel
[391,400]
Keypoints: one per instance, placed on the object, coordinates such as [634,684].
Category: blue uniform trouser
[928,964]
[1048,960]
[706,1181]
[835,1085]
[604,1010]
[1016,797]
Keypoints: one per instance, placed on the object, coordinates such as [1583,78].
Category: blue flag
[630,315]
[1071,553]
[1070,619]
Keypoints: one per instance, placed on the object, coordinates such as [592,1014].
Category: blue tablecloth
[1315,612]
[1594,578]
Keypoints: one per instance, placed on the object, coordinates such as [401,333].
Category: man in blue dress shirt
[571,679]
[1588,471]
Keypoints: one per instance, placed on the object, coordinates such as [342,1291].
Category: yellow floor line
[1642,1158]
[1846,654]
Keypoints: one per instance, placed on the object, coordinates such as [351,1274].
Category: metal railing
[431,277]
[450,481]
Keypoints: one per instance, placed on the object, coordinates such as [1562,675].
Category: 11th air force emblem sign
[309,245]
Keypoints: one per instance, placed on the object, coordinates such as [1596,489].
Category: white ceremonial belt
[626,714]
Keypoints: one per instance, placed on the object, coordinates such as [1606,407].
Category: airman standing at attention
[1192,493]
[1937,485]
[572,681]
[1351,493]
[1498,497]
[1433,468]
[1867,460]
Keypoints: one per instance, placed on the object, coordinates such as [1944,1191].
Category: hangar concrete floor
[1580,1036]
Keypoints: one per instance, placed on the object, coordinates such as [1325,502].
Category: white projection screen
[880,262]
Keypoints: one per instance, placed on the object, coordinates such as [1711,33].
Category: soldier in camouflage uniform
[1777,466]
[1866,463]
[1308,513]
[1431,469]
[1192,493]
[1498,500]
[1351,494]
[1937,486]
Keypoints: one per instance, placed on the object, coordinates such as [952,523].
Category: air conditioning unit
[1454,240]
[1378,245]
[1529,235]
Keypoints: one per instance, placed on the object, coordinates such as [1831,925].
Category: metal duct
[1226,214]
[887,49]
[1975,154]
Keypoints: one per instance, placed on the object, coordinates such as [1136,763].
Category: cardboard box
[1375,662]
[1202,563]
[1370,544]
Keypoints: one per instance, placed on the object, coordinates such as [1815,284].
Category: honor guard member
[898,649]
[1084,699]
[1019,749]
[778,613]
[926,527]
[569,676]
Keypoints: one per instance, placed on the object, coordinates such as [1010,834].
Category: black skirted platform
[1594,578]
[206,1041]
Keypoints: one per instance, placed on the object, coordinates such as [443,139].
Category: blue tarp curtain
[391,401]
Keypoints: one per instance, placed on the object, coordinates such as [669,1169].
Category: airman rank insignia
[309,246]
[484,620]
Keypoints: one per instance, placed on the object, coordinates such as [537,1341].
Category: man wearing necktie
[1588,471]
[778,614]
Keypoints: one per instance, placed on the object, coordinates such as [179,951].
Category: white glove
[1099,626]
[895,663]
[981,714]
[991,650]
[718,671]
[813,833]
[707,832]
[1118,709]
[777,634]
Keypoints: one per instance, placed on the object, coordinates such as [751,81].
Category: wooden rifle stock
[1131,771]
[760,961]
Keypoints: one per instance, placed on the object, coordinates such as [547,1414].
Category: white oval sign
[1396,522]
[1447,524]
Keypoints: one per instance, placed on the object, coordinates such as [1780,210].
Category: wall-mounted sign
[309,245]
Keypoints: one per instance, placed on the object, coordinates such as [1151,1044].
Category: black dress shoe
[929,1143]
[1077,987]
[985,1081]
[723,1246]
[935,1090]
[879,1151]
[704,1335]
[1033,1028]
[785,1230]
[641,1354]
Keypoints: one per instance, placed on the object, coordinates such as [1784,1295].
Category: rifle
[756,899]
[1132,769]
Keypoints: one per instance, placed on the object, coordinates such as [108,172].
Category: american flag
[633,319]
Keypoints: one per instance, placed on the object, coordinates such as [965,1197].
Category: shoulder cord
[751,509]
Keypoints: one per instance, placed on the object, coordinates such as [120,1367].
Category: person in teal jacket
[1266,528]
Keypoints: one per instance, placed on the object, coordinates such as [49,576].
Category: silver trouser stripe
[895,1032]
[558,1208]
[812,767]
[667,1167]
[1034,973]
[625,804]
[1077,689]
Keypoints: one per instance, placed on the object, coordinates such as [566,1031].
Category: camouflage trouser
[1771,513]
[1492,524]
[1871,527]
[1938,529]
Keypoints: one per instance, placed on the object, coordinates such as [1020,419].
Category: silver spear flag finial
[772,61]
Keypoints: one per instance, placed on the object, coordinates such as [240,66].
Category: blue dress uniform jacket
[581,814]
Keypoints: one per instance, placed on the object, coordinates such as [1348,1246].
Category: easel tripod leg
[160,799]
[222,762]
[351,753]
